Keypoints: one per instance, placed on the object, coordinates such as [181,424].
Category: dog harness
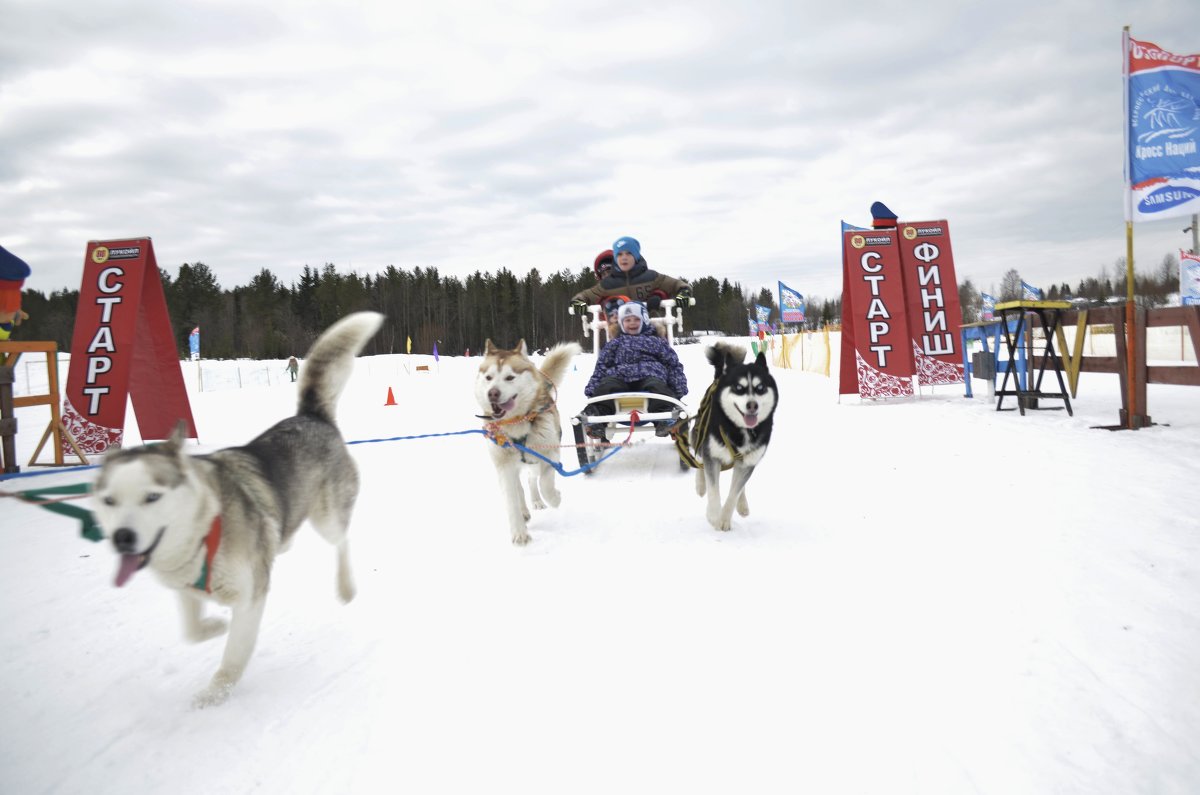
[703,418]
[492,429]
[211,542]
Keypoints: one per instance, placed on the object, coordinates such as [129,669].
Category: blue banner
[194,343]
[1189,279]
[1029,292]
[791,305]
[1162,163]
[988,312]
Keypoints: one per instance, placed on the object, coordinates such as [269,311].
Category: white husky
[210,526]
[518,401]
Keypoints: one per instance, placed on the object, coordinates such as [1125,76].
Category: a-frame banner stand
[123,350]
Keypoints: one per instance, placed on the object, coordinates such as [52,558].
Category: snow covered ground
[928,597]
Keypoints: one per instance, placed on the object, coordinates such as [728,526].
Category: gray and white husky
[519,402]
[211,525]
[733,428]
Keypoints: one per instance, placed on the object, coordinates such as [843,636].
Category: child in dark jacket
[632,278]
[637,360]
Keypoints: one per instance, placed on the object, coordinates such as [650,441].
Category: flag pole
[1129,329]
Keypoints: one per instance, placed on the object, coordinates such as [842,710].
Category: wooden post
[10,353]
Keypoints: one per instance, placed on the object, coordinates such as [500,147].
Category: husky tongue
[129,564]
[751,420]
[500,409]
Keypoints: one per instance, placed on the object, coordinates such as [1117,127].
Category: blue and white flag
[1162,131]
[763,316]
[988,311]
[791,305]
[1029,292]
[194,343]
[1189,279]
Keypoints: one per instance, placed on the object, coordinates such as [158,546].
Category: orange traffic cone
[391,401]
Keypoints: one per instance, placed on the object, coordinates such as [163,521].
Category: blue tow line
[557,465]
[91,532]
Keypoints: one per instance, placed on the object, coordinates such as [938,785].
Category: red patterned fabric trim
[92,439]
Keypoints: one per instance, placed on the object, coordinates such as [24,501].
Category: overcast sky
[730,138]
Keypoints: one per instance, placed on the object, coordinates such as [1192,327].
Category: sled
[632,416]
[622,423]
[671,322]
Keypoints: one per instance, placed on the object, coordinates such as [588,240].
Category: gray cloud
[731,140]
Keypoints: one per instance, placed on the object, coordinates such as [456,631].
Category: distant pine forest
[266,319]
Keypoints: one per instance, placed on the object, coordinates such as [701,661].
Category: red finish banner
[122,350]
[874,317]
[931,293]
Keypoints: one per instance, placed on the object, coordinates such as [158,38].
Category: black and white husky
[733,428]
[210,526]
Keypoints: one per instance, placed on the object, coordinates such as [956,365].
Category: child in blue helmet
[636,360]
[633,279]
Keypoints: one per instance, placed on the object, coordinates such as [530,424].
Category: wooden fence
[1075,362]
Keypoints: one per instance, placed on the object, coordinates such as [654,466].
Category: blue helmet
[629,244]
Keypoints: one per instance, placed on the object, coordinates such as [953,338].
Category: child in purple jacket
[636,360]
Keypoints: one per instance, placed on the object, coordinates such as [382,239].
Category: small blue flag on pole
[988,311]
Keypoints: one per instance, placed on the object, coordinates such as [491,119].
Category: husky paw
[554,499]
[743,507]
[718,521]
[538,505]
[520,539]
[213,695]
[207,629]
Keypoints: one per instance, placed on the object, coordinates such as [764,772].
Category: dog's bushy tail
[723,354]
[330,362]
[556,361]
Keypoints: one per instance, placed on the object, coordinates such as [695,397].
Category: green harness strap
[88,527]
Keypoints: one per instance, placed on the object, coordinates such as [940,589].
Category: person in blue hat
[632,279]
[636,360]
[13,273]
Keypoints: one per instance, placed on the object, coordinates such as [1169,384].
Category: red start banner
[123,350]
[931,292]
[877,356]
